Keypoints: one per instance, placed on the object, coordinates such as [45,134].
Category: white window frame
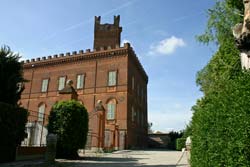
[45,84]
[41,111]
[112,78]
[61,82]
[80,81]
[111,107]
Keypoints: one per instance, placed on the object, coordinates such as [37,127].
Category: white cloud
[167,46]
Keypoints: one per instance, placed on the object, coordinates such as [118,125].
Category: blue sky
[162,33]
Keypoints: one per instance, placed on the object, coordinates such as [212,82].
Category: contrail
[72,27]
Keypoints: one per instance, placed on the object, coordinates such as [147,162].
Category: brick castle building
[109,72]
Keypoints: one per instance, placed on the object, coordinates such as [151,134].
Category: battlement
[99,25]
[74,54]
[107,34]
[87,55]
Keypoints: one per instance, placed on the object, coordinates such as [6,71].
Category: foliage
[180,143]
[220,124]
[224,65]
[222,17]
[12,128]
[11,73]
[188,131]
[69,120]
[173,136]
[12,117]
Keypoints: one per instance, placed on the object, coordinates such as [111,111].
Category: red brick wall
[95,66]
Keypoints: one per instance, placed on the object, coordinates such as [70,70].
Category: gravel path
[125,158]
[128,158]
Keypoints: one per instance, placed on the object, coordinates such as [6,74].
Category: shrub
[69,120]
[173,136]
[180,143]
[12,128]
[221,126]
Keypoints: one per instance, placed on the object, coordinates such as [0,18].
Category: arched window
[111,108]
[41,111]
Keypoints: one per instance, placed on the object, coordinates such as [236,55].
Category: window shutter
[61,83]
[111,111]
[45,85]
[41,111]
[112,78]
[80,79]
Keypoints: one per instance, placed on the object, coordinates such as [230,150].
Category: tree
[12,117]
[69,120]
[11,75]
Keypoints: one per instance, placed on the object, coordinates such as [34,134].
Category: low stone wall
[25,153]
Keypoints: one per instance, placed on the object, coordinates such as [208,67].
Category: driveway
[130,158]
[125,158]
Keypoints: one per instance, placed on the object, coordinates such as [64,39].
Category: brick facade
[128,128]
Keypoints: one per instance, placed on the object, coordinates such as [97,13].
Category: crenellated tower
[106,35]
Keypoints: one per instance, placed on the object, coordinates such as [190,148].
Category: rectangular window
[142,120]
[138,90]
[112,78]
[138,118]
[142,94]
[61,83]
[45,83]
[133,114]
[133,82]
[41,111]
[80,81]
[111,111]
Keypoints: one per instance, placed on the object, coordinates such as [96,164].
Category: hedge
[180,143]
[221,126]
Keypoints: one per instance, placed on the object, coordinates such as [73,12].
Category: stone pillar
[245,60]
[98,127]
[51,148]
[116,137]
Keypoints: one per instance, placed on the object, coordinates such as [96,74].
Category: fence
[36,130]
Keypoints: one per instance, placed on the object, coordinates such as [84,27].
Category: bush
[69,120]
[173,136]
[221,126]
[180,143]
[12,128]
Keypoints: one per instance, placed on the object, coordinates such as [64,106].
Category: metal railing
[36,129]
